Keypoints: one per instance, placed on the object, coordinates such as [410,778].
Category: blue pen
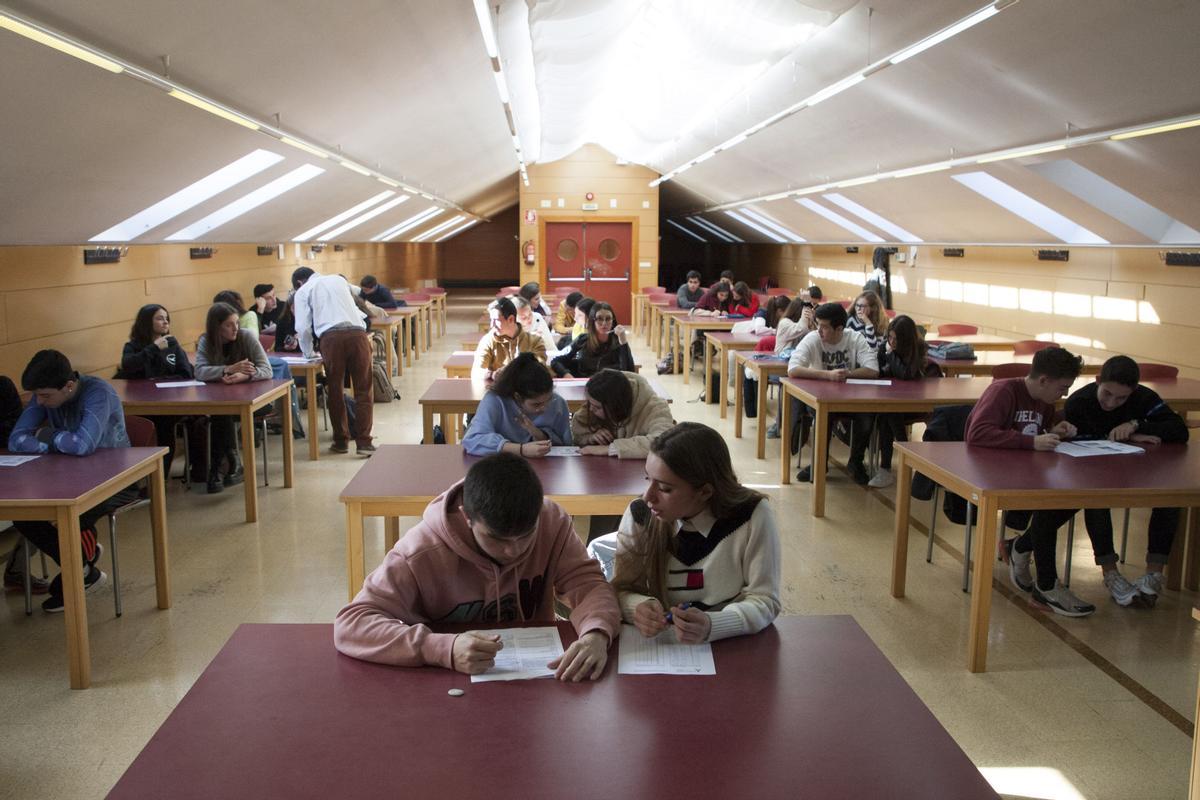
[682,607]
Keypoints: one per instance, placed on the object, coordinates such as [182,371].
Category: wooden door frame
[634,274]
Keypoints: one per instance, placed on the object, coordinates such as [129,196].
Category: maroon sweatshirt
[1008,416]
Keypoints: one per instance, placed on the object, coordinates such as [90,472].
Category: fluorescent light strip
[749,223]
[969,21]
[213,108]
[247,203]
[411,222]
[350,165]
[456,231]
[712,227]
[57,41]
[1028,209]
[1034,151]
[695,236]
[438,228]
[483,13]
[501,88]
[1173,126]
[302,146]
[772,224]
[857,182]
[359,220]
[701,224]
[388,182]
[921,170]
[830,91]
[839,220]
[870,216]
[310,234]
[189,196]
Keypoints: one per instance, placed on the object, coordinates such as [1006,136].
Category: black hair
[505,308]
[262,288]
[530,290]
[693,274]
[142,331]
[573,299]
[503,492]
[48,369]
[300,275]
[776,308]
[368,282]
[727,275]
[585,305]
[524,375]
[231,298]
[1121,369]
[910,347]
[814,293]
[1056,363]
[833,313]
[215,350]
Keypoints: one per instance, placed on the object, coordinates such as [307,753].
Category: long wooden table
[438,296]
[238,400]
[683,324]
[307,370]
[764,366]
[59,488]
[984,361]
[400,480]
[979,341]
[716,343]
[996,480]
[395,328]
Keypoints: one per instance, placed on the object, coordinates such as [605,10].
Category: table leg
[355,571]
[708,370]
[407,344]
[981,585]
[450,427]
[427,422]
[762,415]
[158,535]
[421,343]
[310,387]
[785,436]
[289,444]
[1191,570]
[820,459]
[79,658]
[391,533]
[248,464]
[904,475]
[387,352]
[738,380]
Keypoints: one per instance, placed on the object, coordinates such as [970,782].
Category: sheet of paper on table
[296,359]
[1098,447]
[563,450]
[662,655]
[14,461]
[525,654]
[869,381]
[178,384]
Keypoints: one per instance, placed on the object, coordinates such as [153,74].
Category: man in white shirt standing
[836,354]
[325,305]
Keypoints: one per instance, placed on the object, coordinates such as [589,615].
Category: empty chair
[890,312]
[654,289]
[957,329]
[1028,346]
[775,291]
[507,290]
[141,434]
[671,300]
[1157,372]
[267,340]
[1010,371]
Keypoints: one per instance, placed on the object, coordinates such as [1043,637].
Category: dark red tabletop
[138,392]
[935,390]
[458,390]
[807,708]
[60,478]
[727,337]
[427,470]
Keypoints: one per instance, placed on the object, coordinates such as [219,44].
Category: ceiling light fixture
[408,224]
[870,216]
[1020,153]
[359,220]
[54,39]
[213,108]
[249,202]
[749,223]
[350,165]
[772,224]
[302,146]
[456,231]
[310,235]
[716,230]
[438,228]
[1190,122]
[969,21]
[839,220]
[695,236]
[483,13]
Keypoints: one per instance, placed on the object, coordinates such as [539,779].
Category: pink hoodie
[435,574]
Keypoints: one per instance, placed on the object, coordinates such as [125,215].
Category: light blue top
[497,420]
[90,420]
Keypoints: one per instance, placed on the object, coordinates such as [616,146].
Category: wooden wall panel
[487,252]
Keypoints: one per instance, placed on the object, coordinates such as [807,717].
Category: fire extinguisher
[530,252]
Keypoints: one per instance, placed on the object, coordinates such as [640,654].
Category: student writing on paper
[10,412]
[697,544]
[903,357]
[520,413]
[490,549]
[621,413]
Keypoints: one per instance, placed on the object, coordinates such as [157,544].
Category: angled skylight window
[862,212]
[189,196]
[763,219]
[839,220]
[436,229]
[408,224]
[311,233]
[361,218]
[695,236]
[456,231]
[749,223]
[242,205]
[717,231]
[1028,209]
[1116,202]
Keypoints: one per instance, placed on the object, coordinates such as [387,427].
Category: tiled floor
[1043,721]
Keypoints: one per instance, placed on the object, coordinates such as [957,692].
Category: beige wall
[1103,301]
[50,299]
[592,169]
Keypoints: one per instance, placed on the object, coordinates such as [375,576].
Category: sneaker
[1018,566]
[234,478]
[339,447]
[94,579]
[805,474]
[1150,586]
[773,431]
[364,450]
[15,582]
[882,479]
[1062,602]
[1124,592]
[858,473]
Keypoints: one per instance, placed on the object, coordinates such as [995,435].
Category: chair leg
[267,480]
[187,458]
[932,524]
[42,557]
[28,577]
[971,512]
[112,540]
[1125,535]
[1070,547]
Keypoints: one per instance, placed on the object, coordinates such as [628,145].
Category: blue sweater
[91,420]
[496,422]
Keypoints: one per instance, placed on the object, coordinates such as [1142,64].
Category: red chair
[671,300]
[957,329]
[1029,346]
[654,289]
[510,290]
[563,291]
[846,304]
[267,340]
[141,434]
[1158,372]
[1010,371]
[776,291]
[415,297]
[434,290]
[891,313]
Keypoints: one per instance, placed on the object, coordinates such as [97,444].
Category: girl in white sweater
[621,413]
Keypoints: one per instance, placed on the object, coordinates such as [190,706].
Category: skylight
[749,223]
[439,228]
[456,231]
[1027,208]
[772,224]
[247,203]
[717,231]
[695,236]
[189,197]
[870,216]
[309,234]
[370,215]
[839,220]
[411,222]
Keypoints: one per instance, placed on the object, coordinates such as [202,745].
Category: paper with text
[14,461]
[178,384]
[298,360]
[1098,447]
[869,381]
[662,655]
[525,654]
[563,450]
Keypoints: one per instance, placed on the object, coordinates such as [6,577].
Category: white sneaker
[1018,566]
[1150,586]
[882,479]
[1062,602]
[1124,592]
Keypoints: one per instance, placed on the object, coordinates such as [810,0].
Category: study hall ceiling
[405,90]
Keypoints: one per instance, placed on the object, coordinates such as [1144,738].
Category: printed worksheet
[296,359]
[563,450]
[869,381]
[1097,447]
[525,654]
[178,384]
[14,461]
[662,655]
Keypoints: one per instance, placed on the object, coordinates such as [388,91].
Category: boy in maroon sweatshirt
[490,549]
[1019,413]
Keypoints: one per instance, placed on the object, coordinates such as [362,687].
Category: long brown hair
[776,308]
[698,455]
[910,347]
[215,350]
[879,320]
[612,390]
[593,342]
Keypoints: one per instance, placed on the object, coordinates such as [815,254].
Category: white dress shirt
[322,303]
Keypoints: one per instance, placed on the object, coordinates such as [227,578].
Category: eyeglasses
[862,306]
[605,318]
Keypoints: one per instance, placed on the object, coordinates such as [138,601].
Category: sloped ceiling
[405,87]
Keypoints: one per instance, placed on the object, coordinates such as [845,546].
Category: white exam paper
[178,384]
[662,655]
[296,359]
[563,450]
[525,654]
[1097,447]
[14,461]
[869,381]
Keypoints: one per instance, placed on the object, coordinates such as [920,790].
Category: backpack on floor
[382,390]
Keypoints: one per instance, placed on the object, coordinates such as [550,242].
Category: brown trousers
[348,352]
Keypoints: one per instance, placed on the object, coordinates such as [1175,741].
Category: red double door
[595,256]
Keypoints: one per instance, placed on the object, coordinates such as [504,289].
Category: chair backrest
[780,290]
[141,431]
[566,290]
[510,290]
[654,289]
[267,340]
[1010,371]
[891,313]
[415,298]
[671,300]
[1027,346]
[957,329]
[1157,372]
[846,304]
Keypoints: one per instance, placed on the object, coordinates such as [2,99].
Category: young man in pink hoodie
[490,549]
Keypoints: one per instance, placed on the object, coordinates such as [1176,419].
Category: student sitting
[10,412]
[743,302]
[903,357]
[697,543]
[582,309]
[727,277]
[267,307]
[689,293]
[520,413]
[836,354]
[152,352]
[246,319]
[604,346]
[532,293]
[812,295]
[1019,413]
[794,324]
[564,318]
[535,324]
[716,302]
[490,549]
[286,340]
[229,354]
[75,415]
[504,341]
[372,291]
[869,319]
[620,415]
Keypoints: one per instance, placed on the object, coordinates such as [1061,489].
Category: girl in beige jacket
[620,415]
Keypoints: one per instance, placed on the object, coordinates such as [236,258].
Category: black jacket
[10,408]
[580,363]
[1154,417]
[149,361]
